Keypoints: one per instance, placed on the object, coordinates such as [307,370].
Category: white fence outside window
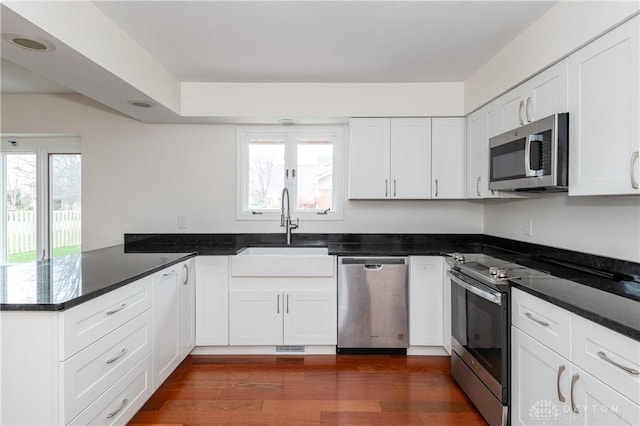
[21,230]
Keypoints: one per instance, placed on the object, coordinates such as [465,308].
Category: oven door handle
[491,297]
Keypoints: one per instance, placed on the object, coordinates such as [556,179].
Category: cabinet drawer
[593,342]
[88,322]
[120,402]
[86,375]
[545,322]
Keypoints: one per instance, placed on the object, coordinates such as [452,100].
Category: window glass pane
[20,207]
[266,172]
[314,173]
[64,204]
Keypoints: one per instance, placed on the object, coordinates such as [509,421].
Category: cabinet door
[166,320]
[212,301]
[410,158]
[539,383]
[187,307]
[476,153]
[604,92]
[547,92]
[446,307]
[425,301]
[369,148]
[511,110]
[599,404]
[255,317]
[310,317]
[447,158]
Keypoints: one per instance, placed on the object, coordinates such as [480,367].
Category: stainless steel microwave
[531,158]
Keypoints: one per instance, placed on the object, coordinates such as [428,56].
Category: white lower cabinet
[547,388]
[212,301]
[277,317]
[121,402]
[166,324]
[187,272]
[426,301]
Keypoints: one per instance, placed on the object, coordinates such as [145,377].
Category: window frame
[42,146]
[290,134]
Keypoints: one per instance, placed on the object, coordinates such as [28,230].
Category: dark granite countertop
[604,290]
[621,314]
[63,282]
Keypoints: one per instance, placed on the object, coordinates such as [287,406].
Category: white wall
[606,226]
[139,177]
[564,28]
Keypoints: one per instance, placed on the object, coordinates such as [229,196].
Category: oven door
[479,329]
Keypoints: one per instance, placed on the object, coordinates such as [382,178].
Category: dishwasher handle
[371,267]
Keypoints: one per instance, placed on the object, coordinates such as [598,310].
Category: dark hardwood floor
[310,390]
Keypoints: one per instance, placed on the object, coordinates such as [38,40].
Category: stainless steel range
[480,330]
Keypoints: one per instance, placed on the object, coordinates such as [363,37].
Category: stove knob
[461,258]
[501,273]
[493,270]
[455,256]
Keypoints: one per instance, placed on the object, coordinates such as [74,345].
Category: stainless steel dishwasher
[373,302]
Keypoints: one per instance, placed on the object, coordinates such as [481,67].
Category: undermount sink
[284,251]
[283,261]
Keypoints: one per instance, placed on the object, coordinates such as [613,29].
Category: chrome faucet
[285,221]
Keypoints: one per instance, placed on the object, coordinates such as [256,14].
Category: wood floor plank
[309,390]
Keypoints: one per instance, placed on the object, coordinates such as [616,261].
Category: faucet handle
[297,224]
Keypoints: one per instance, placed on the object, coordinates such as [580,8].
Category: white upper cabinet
[477,154]
[410,158]
[447,157]
[390,158]
[538,97]
[604,127]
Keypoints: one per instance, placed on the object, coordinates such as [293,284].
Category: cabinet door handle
[560,371]
[574,406]
[520,117]
[117,410]
[287,303]
[526,109]
[186,278]
[386,187]
[114,311]
[117,357]
[478,186]
[532,318]
[436,194]
[395,187]
[278,305]
[629,370]
[634,181]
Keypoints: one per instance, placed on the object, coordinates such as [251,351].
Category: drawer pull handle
[629,370]
[117,357]
[560,371]
[634,158]
[124,305]
[116,411]
[168,274]
[574,406]
[531,317]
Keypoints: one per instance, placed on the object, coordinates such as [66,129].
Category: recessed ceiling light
[30,43]
[288,121]
[141,104]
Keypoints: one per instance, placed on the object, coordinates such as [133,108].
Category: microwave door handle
[528,171]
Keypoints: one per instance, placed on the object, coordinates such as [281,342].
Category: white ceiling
[310,41]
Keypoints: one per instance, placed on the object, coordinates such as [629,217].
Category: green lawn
[30,256]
